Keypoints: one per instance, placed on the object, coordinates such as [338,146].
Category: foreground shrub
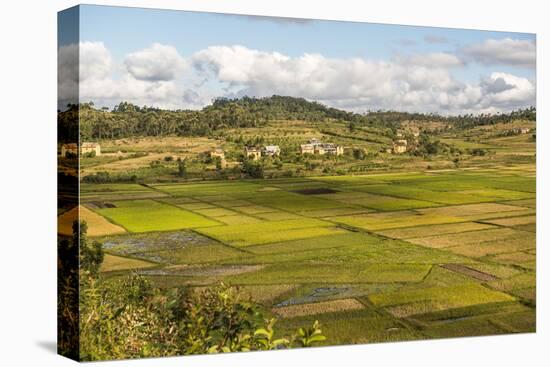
[129,319]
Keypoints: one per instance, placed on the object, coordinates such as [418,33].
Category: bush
[253,169]
[105,177]
[478,152]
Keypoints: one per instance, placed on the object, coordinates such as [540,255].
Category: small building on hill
[319,148]
[85,148]
[90,148]
[331,149]
[253,153]
[271,150]
[399,146]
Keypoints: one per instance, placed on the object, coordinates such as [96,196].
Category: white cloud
[95,61]
[417,83]
[506,51]
[502,89]
[156,63]
[423,82]
[99,84]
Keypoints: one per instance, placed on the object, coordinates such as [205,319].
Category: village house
[85,148]
[271,150]
[400,146]
[253,153]
[331,149]
[319,148]
[89,148]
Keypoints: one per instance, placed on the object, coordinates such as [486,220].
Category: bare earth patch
[319,307]
[97,225]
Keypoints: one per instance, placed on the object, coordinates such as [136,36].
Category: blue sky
[206,50]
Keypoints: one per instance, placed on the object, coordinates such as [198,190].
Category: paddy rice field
[383,257]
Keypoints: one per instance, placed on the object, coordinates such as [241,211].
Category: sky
[183,60]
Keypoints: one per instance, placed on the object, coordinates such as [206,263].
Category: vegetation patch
[315,191]
[116,263]
[407,303]
[255,209]
[441,229]
[276,216]
[205,189]
[356,326]
[319,307]
[388,203]
[238,219]
[470,210]
[215,212]
[150,215]
[267,294]
[197,254]
[334,273]
[514,257]
[467,238]
[116,191]
[522,281]
[380,221]
[528,203]
[266,232]
[511,244]
[324,213]
[330,241]
[293,202]
[514,221]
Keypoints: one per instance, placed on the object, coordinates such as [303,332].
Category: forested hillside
[126,119]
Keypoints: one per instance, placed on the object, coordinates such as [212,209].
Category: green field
[426,254]
[150,215]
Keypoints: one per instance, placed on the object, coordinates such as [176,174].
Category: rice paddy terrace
[383,257]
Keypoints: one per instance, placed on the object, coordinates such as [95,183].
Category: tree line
[128,120]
